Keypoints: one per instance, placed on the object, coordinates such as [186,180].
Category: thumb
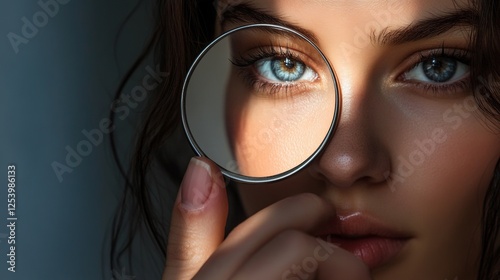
[198,220]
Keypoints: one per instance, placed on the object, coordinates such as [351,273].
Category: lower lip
[373,251]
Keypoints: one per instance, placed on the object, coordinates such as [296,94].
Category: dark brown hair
[183,29]
[485,74]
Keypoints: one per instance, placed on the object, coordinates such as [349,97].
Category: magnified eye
[277,71]
[438,69]
[284,70]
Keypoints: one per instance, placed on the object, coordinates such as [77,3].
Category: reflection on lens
[260,102]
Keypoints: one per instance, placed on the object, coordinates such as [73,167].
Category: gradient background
[58,84]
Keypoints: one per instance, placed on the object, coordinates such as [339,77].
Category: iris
[440,69]
[282,69]
[287,70]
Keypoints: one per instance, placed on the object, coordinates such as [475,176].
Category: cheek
[440,176]
[456,175]
[271,136]
[442,153]
[444,201]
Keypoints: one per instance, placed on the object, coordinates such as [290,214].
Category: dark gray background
[56,85]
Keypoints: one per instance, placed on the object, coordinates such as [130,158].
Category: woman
[408,186]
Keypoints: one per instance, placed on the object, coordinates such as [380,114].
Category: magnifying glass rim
[243,178]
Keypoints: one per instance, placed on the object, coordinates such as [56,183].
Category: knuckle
[239,230]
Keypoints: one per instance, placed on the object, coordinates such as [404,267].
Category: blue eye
[278,71]
[284,70]
[438,69]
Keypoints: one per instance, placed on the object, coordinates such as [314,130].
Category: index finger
[304,212]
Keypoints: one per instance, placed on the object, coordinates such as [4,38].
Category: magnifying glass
[261,101]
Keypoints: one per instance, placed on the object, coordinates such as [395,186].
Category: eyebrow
[423,29]
[426,28]
[244,13]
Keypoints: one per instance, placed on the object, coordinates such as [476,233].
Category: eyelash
[440,89]
[251,77]
[286,89]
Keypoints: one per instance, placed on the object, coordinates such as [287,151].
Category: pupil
[440,69]
[287,69]
[289,64]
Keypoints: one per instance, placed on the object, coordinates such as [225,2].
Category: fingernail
[196,185]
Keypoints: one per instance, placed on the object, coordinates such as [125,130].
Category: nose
[356,153]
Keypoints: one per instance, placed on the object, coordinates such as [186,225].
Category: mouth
[365,237]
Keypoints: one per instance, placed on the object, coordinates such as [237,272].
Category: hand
[275,243]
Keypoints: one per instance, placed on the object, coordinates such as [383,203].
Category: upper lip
[359,225]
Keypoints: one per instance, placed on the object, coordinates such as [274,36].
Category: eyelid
[462,55]
[246,41]
[459,69]
[283,51]
[250,57]
[257,53]
[436,90]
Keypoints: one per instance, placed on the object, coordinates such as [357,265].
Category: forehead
[395,12]
[331,23]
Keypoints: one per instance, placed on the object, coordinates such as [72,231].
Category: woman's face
[411,159]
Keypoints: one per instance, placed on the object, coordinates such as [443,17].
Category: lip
[365,237]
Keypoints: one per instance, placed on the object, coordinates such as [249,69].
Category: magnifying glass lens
[260,102]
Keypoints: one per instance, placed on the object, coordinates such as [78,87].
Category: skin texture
[266,123]
[417,160]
